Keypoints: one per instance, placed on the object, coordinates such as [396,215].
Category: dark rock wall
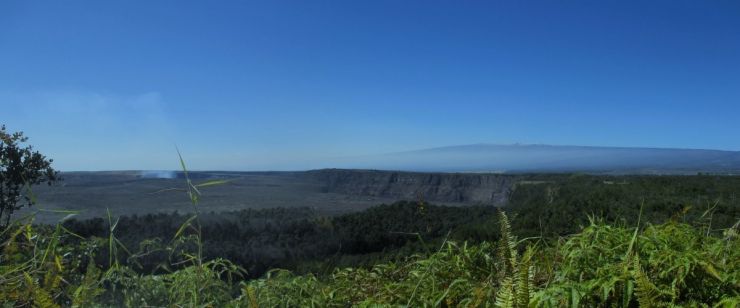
[471,188]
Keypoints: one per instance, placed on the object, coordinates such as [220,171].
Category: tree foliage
[670,264]
[20,168]
[585,245]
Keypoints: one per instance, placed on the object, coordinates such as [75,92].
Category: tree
[20,168]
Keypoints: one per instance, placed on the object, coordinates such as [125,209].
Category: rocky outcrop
[469,188]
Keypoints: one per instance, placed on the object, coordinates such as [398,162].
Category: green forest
[565,241]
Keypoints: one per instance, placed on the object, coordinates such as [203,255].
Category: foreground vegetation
[657,253]
[654,253]
[672,263]
[305,241]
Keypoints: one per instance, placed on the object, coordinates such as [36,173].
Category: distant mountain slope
[547,158]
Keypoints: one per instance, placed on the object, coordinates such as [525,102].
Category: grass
[671,264]
[603,265]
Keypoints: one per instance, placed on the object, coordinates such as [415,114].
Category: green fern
[89,289]
[728,302]
[507,252]
[524,279]
[647,293]
[252,295]
[37,295]
[514,287]
[506,295]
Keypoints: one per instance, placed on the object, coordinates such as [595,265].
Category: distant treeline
[299,239]
[288,237]
[563,205]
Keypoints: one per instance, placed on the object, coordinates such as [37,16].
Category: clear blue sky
[283,85]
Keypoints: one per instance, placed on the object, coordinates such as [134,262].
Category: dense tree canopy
[20,168]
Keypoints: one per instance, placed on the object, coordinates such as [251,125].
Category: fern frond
[647,293]
[38,297]
[53,276]
[85,294]
[252,294]
[505,297]
[524,279]
[728,302]
[507,245]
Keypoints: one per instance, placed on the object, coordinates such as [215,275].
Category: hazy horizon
[288,85]
[516,158]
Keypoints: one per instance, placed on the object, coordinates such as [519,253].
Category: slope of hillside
[549,158]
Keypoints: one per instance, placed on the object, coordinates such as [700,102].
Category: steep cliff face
[491,189]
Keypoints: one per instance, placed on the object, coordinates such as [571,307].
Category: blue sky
[291,84]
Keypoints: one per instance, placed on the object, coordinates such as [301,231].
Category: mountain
[519,158]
